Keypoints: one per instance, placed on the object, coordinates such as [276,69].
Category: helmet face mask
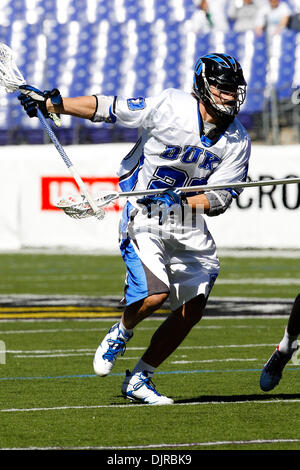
[220,84]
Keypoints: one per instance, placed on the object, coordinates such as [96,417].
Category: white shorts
[184,265]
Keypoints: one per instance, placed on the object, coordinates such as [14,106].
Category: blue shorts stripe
[136,287]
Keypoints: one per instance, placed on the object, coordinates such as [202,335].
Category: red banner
[54,188]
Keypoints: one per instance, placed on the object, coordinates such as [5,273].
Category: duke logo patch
[135,104]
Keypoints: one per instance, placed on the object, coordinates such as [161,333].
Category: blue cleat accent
[113,345]
[139,387]
[272,372]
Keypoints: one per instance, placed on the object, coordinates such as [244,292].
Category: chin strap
[213,132]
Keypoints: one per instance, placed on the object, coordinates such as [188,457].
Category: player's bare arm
[200,200]
[211,202]
[82,106]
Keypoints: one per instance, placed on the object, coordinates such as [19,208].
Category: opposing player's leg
[138,385]
[272,371]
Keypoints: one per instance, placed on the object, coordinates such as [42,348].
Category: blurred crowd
[270,16]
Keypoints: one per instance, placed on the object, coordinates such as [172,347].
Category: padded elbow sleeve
[219,201]
[104,109]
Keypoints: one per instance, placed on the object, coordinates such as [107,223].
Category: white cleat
[139,387]
[113,345]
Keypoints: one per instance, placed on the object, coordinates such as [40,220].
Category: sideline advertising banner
[35,177]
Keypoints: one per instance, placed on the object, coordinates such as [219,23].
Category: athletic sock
[142,366]
[288,343]
[125,332]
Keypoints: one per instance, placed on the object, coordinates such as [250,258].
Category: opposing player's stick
[72,206]
[11,78]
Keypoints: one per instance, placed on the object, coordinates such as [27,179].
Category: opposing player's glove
[162,203]
[32,98]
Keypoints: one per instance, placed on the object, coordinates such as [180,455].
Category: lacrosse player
[187,139]
[272,371]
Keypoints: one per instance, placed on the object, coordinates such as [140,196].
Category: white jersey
[170,151]
[180,256]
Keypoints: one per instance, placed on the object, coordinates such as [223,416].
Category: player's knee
[153,302]
[193,310]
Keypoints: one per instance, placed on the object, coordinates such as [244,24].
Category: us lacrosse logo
[2,352]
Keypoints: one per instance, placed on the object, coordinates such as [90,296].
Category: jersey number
[166,176]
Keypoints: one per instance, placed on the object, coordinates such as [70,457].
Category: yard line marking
[71,330]
[291,368]
[150,328]
[108,320]
[64,315]
[218,360]
[222,346]
[133,406]
[128,358]
[160,446]
[137,348]
[41,356]
[262,281]
[47,351]
[52,330]
[55,308]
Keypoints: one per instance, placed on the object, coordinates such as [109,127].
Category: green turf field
[104,275]
[51,398]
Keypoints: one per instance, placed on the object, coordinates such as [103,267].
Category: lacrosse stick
[11,79]
[73,206]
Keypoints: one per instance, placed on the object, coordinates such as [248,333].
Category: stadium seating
[128,47]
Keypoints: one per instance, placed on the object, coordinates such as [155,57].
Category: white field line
[87,277]
[109,320]
[160,446]
[42,356]
[258,253]
[197,327]
[229,252]
[261,281]
[84,351]
[134,406]
[83,330]
[52,330]
[229,359]
[129,358]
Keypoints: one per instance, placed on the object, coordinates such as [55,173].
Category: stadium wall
[34,177]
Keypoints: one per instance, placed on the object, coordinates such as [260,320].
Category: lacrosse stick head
[78,207]
[10,76]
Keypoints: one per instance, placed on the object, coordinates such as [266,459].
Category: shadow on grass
[240,398]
